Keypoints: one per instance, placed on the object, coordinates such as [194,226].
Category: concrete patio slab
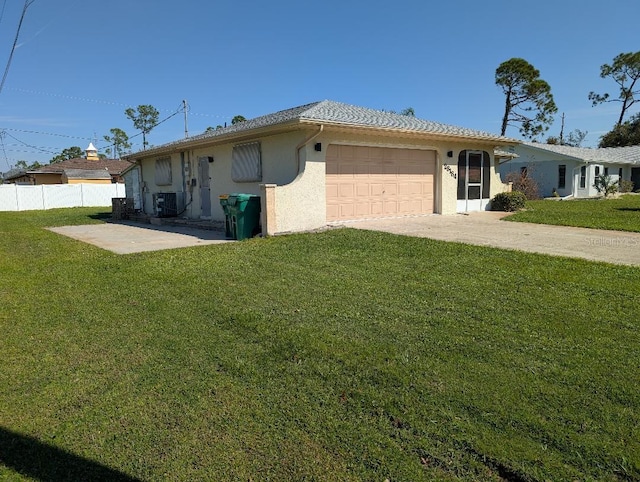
[488,229]
[126,237]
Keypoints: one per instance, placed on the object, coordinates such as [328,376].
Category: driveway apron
[488,229]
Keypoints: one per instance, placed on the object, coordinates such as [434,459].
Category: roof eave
[345,126]
[236,136]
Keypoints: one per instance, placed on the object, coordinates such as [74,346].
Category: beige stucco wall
[88,181]
[278,167]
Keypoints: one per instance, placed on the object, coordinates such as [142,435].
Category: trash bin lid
[243,196]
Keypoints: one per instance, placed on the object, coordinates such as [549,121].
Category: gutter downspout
[304,143]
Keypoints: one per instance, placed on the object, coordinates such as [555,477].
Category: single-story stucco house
[323,162]
[571,171]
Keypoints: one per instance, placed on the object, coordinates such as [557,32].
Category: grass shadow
[37,460]
[101,216]
[629,209]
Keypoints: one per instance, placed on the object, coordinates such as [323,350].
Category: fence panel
[14,197]
[8,198]
[62,196]
[30,199]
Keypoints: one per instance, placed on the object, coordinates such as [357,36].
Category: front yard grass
[619,214]
[343,355]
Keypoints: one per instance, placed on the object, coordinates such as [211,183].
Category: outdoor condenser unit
[165,204]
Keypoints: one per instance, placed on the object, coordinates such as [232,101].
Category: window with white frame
[246,163]
[163,172]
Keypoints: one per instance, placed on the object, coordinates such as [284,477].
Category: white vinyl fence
[14,197]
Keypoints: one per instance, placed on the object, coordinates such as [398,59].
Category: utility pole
[562,131]
[185,109]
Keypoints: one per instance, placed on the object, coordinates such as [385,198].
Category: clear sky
[80,63]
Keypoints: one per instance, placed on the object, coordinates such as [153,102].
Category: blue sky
[80,63]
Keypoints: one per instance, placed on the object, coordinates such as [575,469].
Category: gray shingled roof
[87,174]
[337,113]
[613,155]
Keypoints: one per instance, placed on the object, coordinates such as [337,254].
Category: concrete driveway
[487,229]
[126,237]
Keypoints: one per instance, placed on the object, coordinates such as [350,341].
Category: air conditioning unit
[165,204]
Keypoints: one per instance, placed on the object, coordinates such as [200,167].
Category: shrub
[524,183]
[626,186]
[508,201]
[605,185]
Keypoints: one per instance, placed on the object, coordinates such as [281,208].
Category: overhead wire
[4,4]
[4,152]
[27,3]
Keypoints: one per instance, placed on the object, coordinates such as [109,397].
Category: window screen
[163,171]
[246,165]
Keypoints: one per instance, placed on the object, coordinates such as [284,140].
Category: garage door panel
[390,189]
[376,208]
[363,209]
[410,189]
[363,190]
[376,189]
[346,190]
[346,169]
[373,182]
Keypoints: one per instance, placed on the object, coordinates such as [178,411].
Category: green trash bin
[224,202]
[244,215]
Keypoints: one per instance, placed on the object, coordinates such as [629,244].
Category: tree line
[530,106]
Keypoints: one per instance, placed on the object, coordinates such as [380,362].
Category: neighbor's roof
[333,113]
[87,174]
[112,166]
[605,155]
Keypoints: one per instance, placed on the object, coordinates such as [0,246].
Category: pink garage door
[369,182]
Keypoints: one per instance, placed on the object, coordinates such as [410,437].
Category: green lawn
[343,355]
[621,214]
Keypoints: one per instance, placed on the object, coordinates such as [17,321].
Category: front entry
[205,191]
[635,178]
[474,168]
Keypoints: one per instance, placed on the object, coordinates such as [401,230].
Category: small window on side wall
[246,163]
[163,172]
[562,176]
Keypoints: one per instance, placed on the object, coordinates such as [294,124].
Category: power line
[4,4]
[44,133]
[15,42]
[28,145]
[2,144]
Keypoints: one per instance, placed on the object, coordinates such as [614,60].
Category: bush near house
[523,182]
[626,186]
[508,201]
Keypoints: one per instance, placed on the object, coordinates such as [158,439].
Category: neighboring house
[323,162]
[89,170]
[571,171]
